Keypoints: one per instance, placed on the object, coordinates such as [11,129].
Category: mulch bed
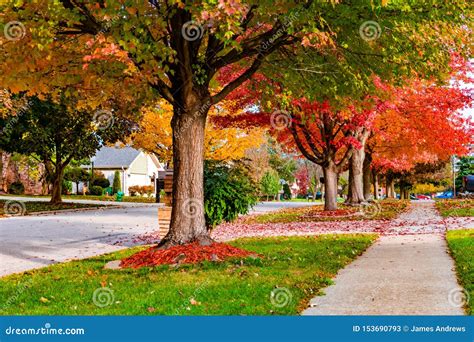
[186,254]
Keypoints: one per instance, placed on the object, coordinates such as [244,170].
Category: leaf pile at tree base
[192,253]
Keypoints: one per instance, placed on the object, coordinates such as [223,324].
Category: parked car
[412,197]
[318,196]
[423,197]
[446,194]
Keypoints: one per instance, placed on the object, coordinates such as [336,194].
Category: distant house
[136,167]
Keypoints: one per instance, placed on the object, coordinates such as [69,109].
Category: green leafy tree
[177,49]
[270,183]
[466,168]
[55,134]
[76,175]
[117,183]
[228,192]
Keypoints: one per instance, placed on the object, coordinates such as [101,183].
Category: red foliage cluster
[186,254]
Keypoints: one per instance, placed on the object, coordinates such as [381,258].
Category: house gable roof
[115,157]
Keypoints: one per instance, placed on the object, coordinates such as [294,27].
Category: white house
[136,167]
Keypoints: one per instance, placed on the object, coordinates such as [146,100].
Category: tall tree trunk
[376,184]
[350,180]
[390,186]
[367,177]
[187,214]
[57,185]
[356,181]
[330,186]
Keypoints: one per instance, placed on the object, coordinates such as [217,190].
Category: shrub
[102,182]
[116,185]
[66,187]
[228,192]
[141,190]
[134,190]
[286,191]
[16,188]
[148,190]
[96,190]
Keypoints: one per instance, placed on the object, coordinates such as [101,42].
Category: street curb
[55,212]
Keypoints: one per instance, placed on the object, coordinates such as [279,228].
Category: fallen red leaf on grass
[186,254]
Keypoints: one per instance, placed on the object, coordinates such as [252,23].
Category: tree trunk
[376,184]
[187,215]
[330,187]
[390,186]
[56,190]
[367,177]
[356,180]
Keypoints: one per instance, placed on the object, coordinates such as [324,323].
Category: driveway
[29,242]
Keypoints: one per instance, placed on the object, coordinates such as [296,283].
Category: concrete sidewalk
[398,275]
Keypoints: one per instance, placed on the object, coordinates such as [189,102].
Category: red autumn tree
[424,125]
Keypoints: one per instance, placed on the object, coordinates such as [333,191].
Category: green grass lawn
[461,244]
[300,265]
[33,206]
[388,209]
[455,207]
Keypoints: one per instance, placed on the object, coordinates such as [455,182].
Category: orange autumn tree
[424,125]
[155,135]
[174,49]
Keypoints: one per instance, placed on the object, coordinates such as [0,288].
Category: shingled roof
[115,157]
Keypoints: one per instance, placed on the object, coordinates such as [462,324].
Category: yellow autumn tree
[155,135]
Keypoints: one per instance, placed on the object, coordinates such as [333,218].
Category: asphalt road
[28,242]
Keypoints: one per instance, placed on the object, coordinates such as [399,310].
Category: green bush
[16,188]
[228,192]
[286,191]
[116,185]
[66,187]
[96,190]
[102,182]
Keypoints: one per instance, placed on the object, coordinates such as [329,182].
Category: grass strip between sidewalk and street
[291,272]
